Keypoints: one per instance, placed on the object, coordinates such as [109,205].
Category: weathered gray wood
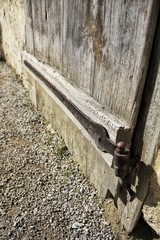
[94,163]
[146,137]
[37,28]
[44,33]
[107,49]
[116,128]
[78,55]
[102,47]
[55,18]
[29,42]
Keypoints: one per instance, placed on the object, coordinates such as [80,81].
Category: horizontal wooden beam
[117,129]
[94,163]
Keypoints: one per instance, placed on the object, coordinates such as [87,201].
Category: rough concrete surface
[12,31]
[151,208]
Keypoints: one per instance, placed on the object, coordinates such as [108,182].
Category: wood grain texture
[117,129]
[95,164]
[146,137]
[45,28]
[55,22]
[29,42]
[37,28]
[100,46]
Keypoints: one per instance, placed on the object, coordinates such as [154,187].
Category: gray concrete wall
[151,208]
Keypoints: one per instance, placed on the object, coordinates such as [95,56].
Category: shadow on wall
[153,197]
[2,57]
[143,176]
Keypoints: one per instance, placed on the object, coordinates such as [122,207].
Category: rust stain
[94,31]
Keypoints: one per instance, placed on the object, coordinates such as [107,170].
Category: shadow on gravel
[144,232]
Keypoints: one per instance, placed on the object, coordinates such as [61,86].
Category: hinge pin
[121,160]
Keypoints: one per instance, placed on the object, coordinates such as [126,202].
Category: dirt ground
[141,232]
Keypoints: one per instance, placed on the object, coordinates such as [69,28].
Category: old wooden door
[97,54]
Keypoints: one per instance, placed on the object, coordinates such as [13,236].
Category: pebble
[43,194]
[77,225]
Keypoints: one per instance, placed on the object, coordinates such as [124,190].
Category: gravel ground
[43,195]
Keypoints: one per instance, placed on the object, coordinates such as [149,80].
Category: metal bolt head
[121,147]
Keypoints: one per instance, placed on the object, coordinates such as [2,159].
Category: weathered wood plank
[146,137]
[117,129]
[37,28]
[78,55]
[102,47]
[55,18]
[44,33]
[106,51]
[129,29]
[94,163]
[29,27]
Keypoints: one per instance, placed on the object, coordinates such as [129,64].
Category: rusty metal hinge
[122,163]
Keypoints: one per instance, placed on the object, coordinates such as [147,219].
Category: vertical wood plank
[55,14]
[37,28]
[106,50]
[44,33]
[101,46]
[128,34]
[29,27]
[146,137]
[78,57]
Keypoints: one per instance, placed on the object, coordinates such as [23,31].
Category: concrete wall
[151,208]
[12,22]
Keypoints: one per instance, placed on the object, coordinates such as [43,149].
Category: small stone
[35,211]
[77,225]
[81,190]
[2,226]
[86,230]
[105,223]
